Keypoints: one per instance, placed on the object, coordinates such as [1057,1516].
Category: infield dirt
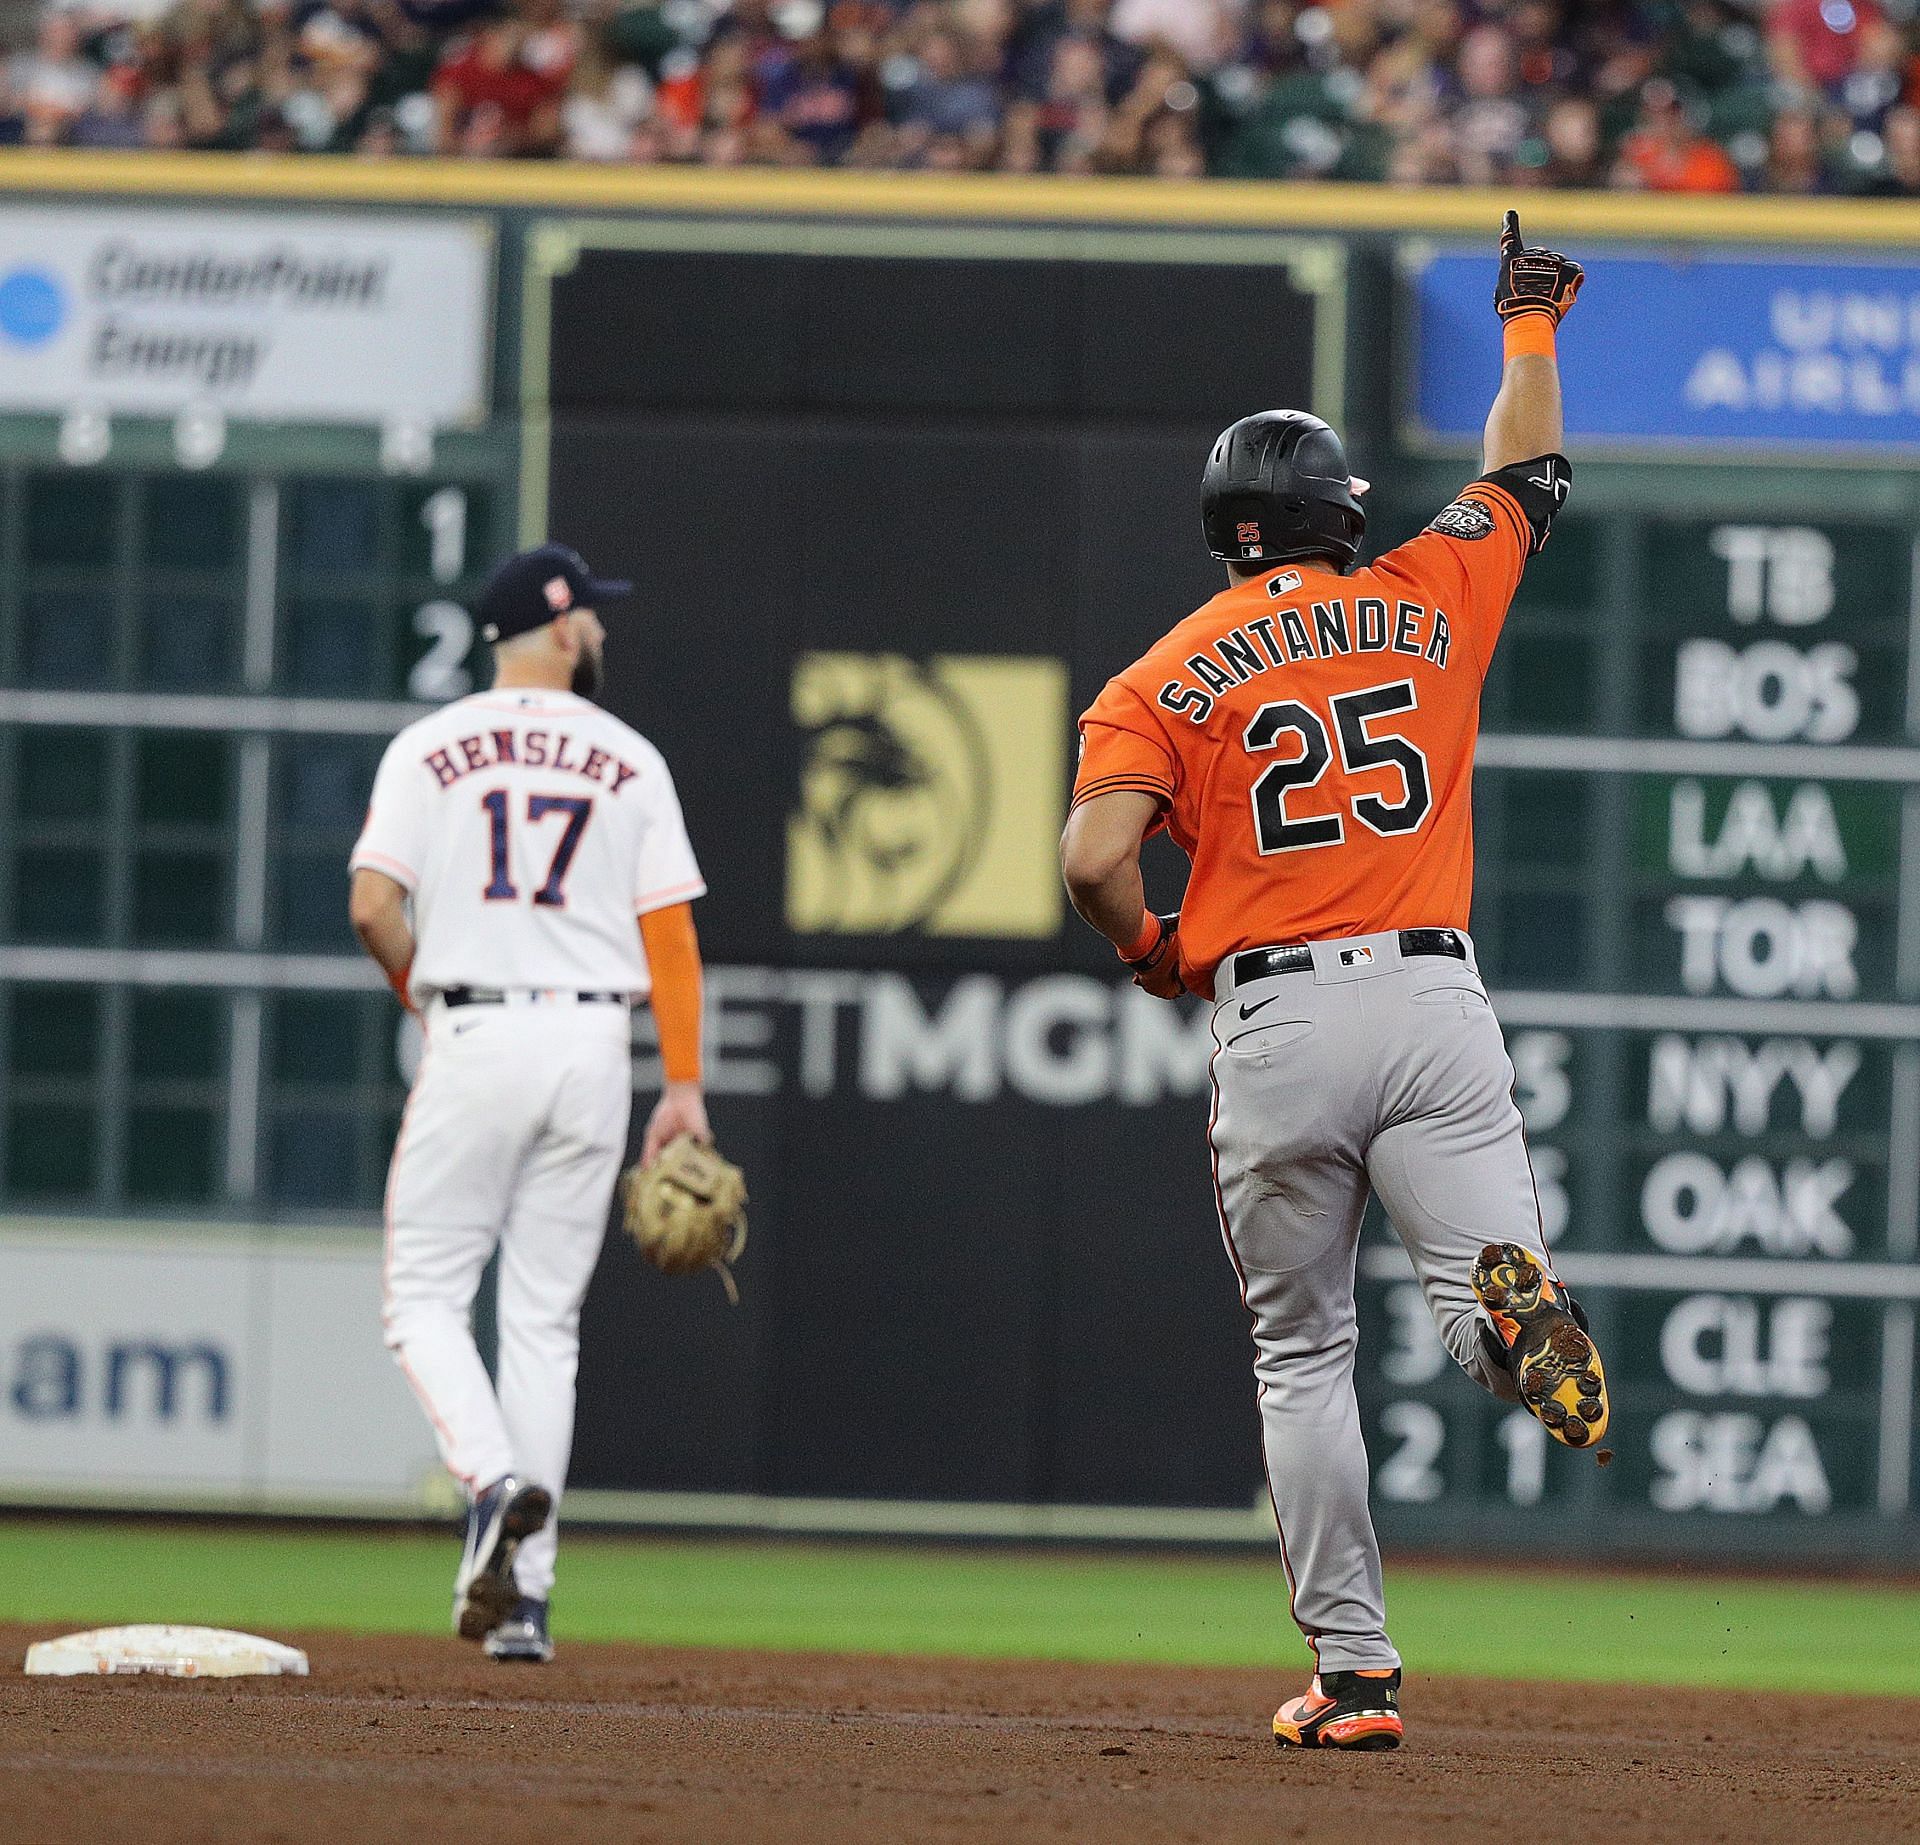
[425,1741]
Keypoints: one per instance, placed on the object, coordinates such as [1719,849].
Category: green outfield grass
[1670,1629]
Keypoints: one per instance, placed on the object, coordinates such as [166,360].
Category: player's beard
[589,673]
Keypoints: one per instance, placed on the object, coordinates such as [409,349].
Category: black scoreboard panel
[1695,911]
[303,616]
[890,327]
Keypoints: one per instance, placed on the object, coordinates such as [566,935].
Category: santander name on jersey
[532,830]
[1290,634]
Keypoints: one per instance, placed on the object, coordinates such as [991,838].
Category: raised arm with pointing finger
[1535,290]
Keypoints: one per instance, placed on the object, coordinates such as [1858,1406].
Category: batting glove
[1533,281]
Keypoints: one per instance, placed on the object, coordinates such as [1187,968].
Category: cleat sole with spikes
[1559,1374]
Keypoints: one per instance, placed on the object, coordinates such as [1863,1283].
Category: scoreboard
[199,669]
[1699,910]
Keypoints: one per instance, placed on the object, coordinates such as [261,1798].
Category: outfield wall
[904,468]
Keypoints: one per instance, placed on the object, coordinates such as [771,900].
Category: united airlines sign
[1757,354]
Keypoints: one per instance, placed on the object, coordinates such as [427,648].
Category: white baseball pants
[513,1137]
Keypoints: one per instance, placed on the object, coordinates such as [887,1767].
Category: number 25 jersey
[532,830]
[1310,735]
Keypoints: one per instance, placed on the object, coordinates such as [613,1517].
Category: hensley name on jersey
[1319,633]
[532,749]
[520,877]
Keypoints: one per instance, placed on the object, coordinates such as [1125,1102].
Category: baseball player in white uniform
[524,876]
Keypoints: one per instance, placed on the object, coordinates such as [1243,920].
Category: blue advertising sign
[1766,354]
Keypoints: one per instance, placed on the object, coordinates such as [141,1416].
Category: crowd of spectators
[1782,96]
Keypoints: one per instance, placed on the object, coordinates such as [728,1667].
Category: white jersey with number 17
[531,829]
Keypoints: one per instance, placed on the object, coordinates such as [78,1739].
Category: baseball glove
[688,1211]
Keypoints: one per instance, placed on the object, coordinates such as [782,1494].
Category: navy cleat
[499,1521]
[522,1637]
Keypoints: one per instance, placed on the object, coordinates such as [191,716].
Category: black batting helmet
[1277,487]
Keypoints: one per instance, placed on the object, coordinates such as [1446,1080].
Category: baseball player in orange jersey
[1307,739]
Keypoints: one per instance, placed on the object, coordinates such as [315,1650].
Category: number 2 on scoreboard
[500,887]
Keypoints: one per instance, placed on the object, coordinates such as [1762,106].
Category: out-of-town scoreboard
[1700,911]
[249,475]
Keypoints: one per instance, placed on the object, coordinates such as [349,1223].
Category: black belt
[493,996]
[1297,957]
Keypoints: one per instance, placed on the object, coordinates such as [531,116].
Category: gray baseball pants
[1371,1070]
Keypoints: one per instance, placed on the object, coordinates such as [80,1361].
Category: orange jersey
[1311,735]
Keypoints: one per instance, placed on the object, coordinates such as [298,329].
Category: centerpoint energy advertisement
[327,319]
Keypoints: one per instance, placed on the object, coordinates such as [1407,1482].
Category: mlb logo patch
[1284,584]
[1355,957]
[558,594]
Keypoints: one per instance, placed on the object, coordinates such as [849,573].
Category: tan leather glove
[688,1211]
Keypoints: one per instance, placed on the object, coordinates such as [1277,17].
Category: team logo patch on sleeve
[1464,519]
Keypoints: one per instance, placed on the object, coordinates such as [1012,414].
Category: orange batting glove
[1533,281]
[1156,961]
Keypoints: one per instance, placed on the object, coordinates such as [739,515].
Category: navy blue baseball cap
[533,587]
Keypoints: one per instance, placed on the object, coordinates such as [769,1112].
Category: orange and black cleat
[1342,1710]
[1540,1335]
